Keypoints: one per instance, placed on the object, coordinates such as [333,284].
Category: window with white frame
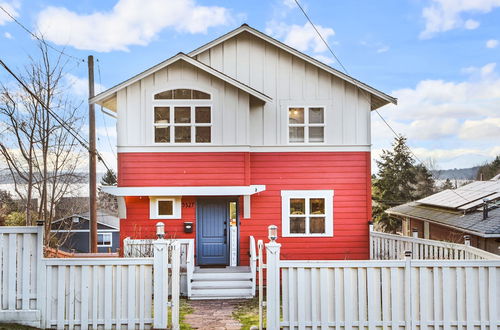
[307,213]
[306,124]
[165,207]
[182,116]
[104,239]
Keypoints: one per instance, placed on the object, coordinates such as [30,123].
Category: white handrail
[189,265]
[253,263]
[384,246]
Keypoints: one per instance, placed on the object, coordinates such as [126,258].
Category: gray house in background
[73,232]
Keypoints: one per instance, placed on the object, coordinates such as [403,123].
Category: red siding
[347,173]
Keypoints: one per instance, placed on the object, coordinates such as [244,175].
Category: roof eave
[381,95]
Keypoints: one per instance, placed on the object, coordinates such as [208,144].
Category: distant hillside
[457,173]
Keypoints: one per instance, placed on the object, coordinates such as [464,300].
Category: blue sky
[439,57]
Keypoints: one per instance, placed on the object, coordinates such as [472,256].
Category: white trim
[207,147]
[286,195]
[306,124]
[176,207]
[313,61]
[110,240]
[84,231]
[110,93]
[184,191]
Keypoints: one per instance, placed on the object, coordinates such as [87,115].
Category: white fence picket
[385,246]
[81,292]
[395,294]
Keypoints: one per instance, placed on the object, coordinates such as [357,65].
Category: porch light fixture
[272,233]
[160,230]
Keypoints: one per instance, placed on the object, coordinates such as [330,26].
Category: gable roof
[103,218]
[380,99]
[106,98]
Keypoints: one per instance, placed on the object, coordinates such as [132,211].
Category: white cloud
[12,7]
[106,131]
[462,116]
[325,59]
[301,37]
[289,3]
[383,49]
[471,24]
[445,15]
[8,35]
[492,43]
[129,22]
[488,128]
[80,86]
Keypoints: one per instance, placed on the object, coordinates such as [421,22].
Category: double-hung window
[182,116]
[104,239]
[307,212]
[306,124]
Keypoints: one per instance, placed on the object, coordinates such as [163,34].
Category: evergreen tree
[109,178]
[425,185]
[395,183]
[447,185]
[488,171]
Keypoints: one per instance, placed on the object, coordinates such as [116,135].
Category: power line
[38,38]
[76,135]
[355,84]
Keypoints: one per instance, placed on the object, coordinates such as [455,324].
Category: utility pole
[92,162]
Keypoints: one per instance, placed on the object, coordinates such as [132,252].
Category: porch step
[221,283]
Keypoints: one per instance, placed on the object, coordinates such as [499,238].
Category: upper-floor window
[182,116]
[306,124]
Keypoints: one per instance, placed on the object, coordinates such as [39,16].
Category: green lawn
[247,313]
[10,326]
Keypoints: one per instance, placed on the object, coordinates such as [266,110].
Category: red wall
[347,173]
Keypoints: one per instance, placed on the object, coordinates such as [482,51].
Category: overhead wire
[37,37]
[75,134]
[355,83]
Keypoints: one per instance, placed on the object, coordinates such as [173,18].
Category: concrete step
[221,292]
[231,276]
[221,284]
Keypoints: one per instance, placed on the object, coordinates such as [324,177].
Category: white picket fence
[76,293]
[396,294]
[140,248]
[384,246]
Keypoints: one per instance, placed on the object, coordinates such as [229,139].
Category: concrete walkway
[213,314]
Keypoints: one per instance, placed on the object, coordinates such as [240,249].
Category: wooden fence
[140,248]
[384,246]
[396,294]
[104,293]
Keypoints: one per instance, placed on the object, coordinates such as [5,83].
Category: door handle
[225,235]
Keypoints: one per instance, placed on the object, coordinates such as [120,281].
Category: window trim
[192,104]
[306,124]
[110,240]
[286,195]
[176,207]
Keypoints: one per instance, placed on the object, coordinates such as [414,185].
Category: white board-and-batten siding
[239,119]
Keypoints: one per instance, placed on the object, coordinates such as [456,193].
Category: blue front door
[212,232]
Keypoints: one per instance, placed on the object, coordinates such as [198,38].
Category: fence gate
[102,293]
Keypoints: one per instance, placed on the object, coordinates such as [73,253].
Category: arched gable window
[182,116]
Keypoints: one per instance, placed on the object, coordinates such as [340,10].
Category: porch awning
[184,191]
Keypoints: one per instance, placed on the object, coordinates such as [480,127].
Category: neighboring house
[473,209]
[74,232]
[242,133]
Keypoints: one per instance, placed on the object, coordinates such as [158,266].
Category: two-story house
[242,133]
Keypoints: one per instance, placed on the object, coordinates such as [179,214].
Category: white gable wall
[135,108]
[240,120]
[291,81]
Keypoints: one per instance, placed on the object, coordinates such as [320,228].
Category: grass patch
[184,309]
[11,326]
[247,313]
